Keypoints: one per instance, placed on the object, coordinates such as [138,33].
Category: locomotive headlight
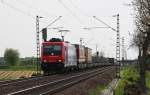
[45,61]
[59,60]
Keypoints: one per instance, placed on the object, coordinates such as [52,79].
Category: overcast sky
[18,31]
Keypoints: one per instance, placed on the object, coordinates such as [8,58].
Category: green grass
[2,79]
[97,90]
[148,81]
[129,75]
[120,87]
[18,68]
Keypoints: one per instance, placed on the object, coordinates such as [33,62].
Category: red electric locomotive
[58,55]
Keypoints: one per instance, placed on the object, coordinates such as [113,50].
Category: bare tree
[142,34]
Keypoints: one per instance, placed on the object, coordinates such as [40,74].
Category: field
[10,75]
[17,68]
[16,72]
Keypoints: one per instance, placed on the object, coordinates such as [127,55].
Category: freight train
[57,55]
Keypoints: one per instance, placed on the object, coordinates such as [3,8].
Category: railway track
[9,82]
[17,80]
[15,85]
[50,86]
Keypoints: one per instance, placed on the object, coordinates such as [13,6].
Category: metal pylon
[118,49]
[123,52]
[38,43]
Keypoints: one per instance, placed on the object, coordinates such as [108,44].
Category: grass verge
[97,90]
[148,81]
[18,68]
[3,79]
[129,76]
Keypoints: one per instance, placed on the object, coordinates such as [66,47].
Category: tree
[142,34]
[11,57]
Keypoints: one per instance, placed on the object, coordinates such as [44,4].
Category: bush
[11,57]
[129,77]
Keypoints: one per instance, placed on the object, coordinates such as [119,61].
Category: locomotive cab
[57,55]
[52,56]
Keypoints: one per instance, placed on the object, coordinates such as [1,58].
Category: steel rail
[61,88]
[8,82]
[37,88]
[12,86]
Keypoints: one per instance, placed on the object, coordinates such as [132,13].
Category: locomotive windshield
[52,50]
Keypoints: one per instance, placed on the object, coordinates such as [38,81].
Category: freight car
[111,60]
[88,57]
[80,50]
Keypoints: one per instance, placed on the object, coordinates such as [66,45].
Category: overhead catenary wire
[31,7]
[17,9]
[89,41]
[104,23]
[89,28]
[20,11]
[85,14]
[53,21]
[77,8]
[71,12]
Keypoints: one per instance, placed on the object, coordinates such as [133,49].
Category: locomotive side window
[52,50]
